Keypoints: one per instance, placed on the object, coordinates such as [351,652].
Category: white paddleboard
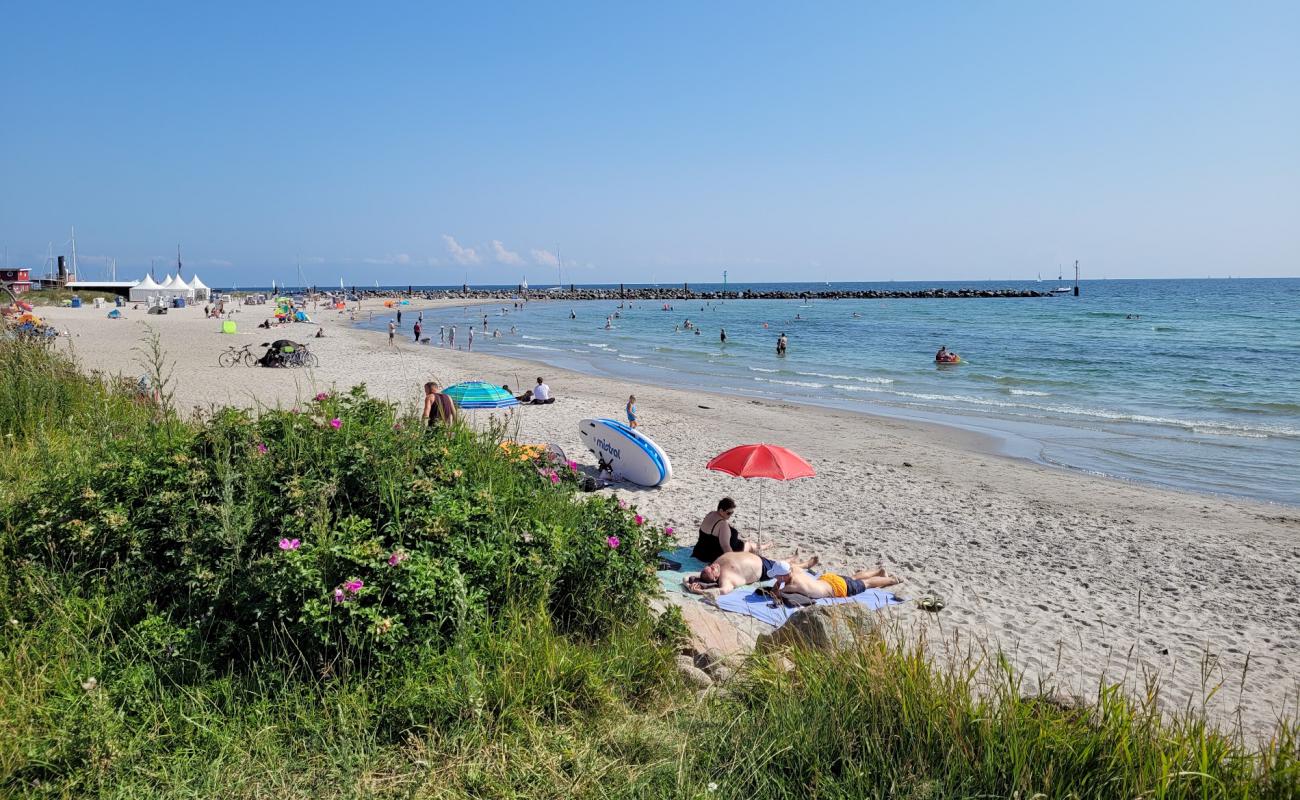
[632,455]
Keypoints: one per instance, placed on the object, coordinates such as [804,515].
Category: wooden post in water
[1076,277]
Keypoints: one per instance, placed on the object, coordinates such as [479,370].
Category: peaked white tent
[177,287]
[201,291]
[145,290]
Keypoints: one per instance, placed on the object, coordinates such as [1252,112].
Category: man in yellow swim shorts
[797,581]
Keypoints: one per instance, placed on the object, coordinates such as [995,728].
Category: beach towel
[671,579]
[746,601]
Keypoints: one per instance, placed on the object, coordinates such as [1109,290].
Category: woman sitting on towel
[717,536]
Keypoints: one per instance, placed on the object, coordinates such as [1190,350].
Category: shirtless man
[795,580]
[740,567]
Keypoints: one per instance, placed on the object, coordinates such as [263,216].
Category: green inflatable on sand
[228,326]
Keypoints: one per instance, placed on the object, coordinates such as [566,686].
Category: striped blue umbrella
[479,394]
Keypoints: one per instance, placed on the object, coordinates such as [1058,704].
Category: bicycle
[235,355]
[302,357]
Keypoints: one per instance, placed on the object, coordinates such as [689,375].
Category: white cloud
[461,255]
[504,256]
[545,258]
[392,258]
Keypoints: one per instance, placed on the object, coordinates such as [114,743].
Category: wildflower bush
[339,527]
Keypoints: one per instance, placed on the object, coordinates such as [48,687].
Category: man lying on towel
[793,579]
[738,568]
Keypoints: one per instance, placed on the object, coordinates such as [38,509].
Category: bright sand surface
[1075,577]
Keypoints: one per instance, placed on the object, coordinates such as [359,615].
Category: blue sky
[414,143]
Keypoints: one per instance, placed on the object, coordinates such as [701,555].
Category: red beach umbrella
[761,461]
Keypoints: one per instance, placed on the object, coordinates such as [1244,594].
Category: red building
[16,279]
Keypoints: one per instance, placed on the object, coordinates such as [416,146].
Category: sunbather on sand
[738,568]
[795,580]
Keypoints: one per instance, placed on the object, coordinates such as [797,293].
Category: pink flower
[555,478]
[263,449]
[612,542]
[397,427]
[638,519]
[573,466]
[353,586]
[396,558]
[622,504]
[322,396]
[290,544]
[338,596]
[336,423]
[668,530]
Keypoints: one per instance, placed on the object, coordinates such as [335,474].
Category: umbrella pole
[760,517]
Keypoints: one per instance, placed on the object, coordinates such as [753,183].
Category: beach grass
[157,641]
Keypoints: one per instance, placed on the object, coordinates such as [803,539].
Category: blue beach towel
[747,601]
[671,579]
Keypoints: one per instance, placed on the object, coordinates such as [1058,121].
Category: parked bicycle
[238,355]
[287,353]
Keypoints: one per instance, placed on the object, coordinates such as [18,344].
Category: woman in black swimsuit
[717,536]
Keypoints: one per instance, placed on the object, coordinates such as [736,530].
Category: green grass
[139,549]
[54,297]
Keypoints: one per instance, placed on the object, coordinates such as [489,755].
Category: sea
[1191,384]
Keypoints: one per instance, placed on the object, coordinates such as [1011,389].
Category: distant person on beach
[320,332]
[399,316]
[781,344]
[392,330]
[731,570]
[470,345]
[723,335]
[794,580]
[542,394]
[631,410]
[572,315]
[442,334]
[417,332]
[451,336]
[718,536]
[439,409]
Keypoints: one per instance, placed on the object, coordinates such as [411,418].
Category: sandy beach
[1076,577]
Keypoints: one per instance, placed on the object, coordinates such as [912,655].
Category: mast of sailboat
[178,261]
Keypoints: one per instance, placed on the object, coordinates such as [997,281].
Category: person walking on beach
[470,346]
[399,316]
[451,336]
[419,317]
[631,411]
[442,335]
[392,331]
[439,409]
[417,333]
[781,344]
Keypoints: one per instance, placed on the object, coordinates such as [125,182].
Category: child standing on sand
[631,410]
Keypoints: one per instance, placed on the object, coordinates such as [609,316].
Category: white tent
[145,290]
[201,291]
[176,287]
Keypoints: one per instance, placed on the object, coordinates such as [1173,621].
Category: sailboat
[1061,289]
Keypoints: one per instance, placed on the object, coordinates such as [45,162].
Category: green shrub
[341,532]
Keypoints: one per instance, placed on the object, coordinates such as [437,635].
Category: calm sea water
[1199,390]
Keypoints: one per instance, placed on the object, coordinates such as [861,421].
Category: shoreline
[1074,576]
